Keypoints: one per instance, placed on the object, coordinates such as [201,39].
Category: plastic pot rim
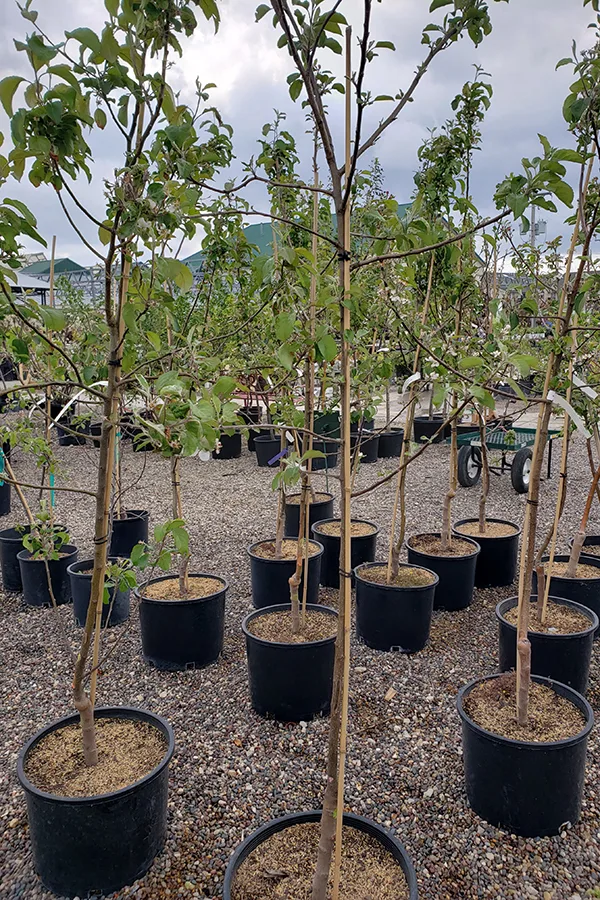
[67,549]
[582,705]
[99,712]
[486,537]
[357,537]
[189,600]
[562,557]
[562,601]
[132,515]
[439,556]
[71,569]
[5,538]
[269,560]
[313,503]
[300,818]
[263,438]
[398,588]
[281,607]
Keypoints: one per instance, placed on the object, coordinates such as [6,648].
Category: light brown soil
[127,750]
[492,529]
[492,705]
[277,627]
[582,571]
[590,550]
[169,589]
[294,499]
[289,549]
[357,529]
[432,544]
[559,620]
[407,576]
[282,867]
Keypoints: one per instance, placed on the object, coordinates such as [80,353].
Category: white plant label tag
[204,455]
[410,380]
[585,388]
[575,417]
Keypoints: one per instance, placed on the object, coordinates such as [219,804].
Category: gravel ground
[232,770]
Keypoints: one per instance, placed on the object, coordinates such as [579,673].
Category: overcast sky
[529,37]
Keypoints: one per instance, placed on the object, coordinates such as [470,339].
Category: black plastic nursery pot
[4,497]
[425,428]
[115,612]
[85,845]
[183,634]
[580,590]
[367,425]
[390,443]
[563,657]
[266,447]
[386,838]
[270,577]
[317,510]
[35,581]
[11,543]
[456,574]
[330,460]
[362,550]
[251,415]
[529,789]
[368,446]
[231,446]
[591,540]
[390,617]
[327,424]
[74,436]
[96,433]
[128,532]
[290,682]
[497,562]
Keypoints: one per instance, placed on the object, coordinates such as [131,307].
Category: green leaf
[8,86]
[87,38]
[296,89]
[313,454]
[563,191]
[470,362]
[54,319]
[181,539]
[385,45]
[285,356]
[516,389]
[224,386]
[104,232]
[100,118]
[154,339]
[112,6]
[328,348]
[261,11]
[284,325]
[437,4]
[439,393]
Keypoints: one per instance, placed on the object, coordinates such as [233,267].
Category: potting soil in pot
[294,499]
[432,544]
[277,627]
[289,549]
[357,529]
[559,619]
[492,705]
[283,867]
[406,577]
[127,751]
[169,589]
[590,550]
[559,569]
[492,529]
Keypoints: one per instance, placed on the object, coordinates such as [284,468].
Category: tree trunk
[447,508]
[580,536]
[485,474]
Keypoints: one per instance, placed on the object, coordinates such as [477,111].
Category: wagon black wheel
[520,470]
[469,466]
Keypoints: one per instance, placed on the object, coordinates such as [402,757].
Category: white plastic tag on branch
[410,380]
[575,417]
[585,388]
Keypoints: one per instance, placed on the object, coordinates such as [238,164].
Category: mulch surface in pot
[294,499]
[127,750]
[289,549]
[559,619]
[430,543]
[357,529]
[277,627]
[169,590]
[283,866]
[591,550]
[492,705]
[406,577]
[559,569]
[492,529]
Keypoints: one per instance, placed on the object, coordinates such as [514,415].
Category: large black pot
[364,425]
[252,416]
[362,550]
[591,540]
[231,446]
[563,657]
[183,634]
[456,573]
[529,789]
[84,845]
[114,612]
[390,443]
[386,838]
[330,460]
[4,497]
[425,428]
[128,532]
[96,433]
[266,447]
[497,562]
[580,590]
[318,510]
[11,543]
[35,580]
[72,435]
[327,424]
[389,617]
[290,682]
[368,446]
[270,578]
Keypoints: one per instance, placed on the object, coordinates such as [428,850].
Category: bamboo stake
[46,470]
